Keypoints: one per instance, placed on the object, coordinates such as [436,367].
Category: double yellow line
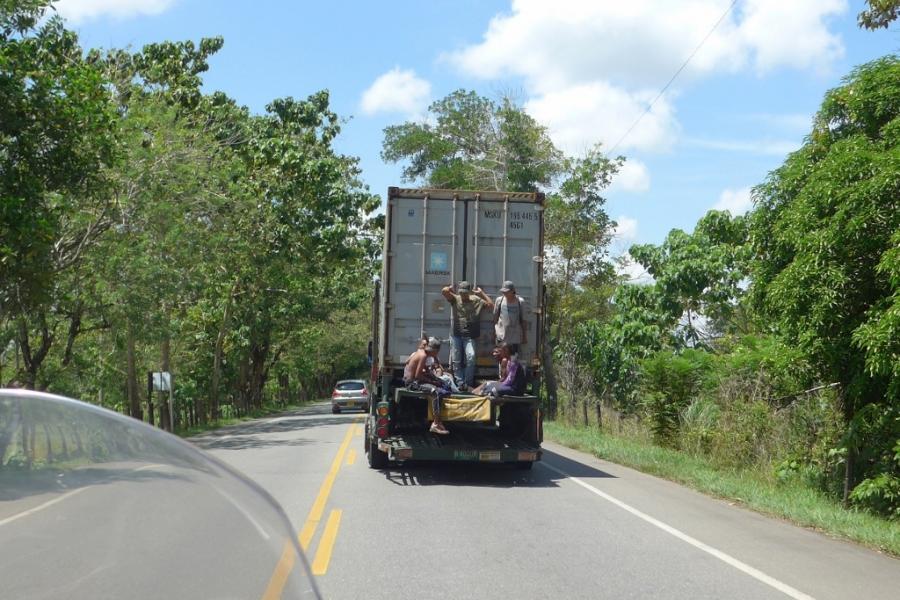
[326,544]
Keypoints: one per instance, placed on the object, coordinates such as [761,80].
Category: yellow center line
[318,507]
[282,571]
[351,457]
[326,544]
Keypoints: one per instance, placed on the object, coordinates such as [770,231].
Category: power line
[677,73]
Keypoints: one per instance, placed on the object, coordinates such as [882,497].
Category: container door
[425,254]
[505,244]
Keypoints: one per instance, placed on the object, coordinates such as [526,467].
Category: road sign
[162,381]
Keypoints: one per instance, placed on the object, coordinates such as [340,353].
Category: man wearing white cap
[509,318]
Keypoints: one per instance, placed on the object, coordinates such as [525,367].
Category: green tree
[578,232]
[57,136]
[880,14]
[698,276]
[824,236]
[472,142]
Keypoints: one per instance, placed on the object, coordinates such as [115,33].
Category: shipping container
[434,238]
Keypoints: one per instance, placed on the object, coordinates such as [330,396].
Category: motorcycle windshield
[97,505]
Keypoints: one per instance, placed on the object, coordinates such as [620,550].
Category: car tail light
[382,432]
[365,392]
[335,394]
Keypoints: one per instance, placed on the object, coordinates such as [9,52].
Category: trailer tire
[377,458]
[524,465]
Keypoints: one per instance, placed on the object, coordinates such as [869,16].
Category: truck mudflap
[458,447]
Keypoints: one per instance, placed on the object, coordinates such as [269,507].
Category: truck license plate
[489,456]
[465,454]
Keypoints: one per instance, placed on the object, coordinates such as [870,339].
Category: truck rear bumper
[457,447]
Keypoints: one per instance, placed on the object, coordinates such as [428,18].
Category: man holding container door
[466,306]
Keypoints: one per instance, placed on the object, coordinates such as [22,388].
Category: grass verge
[266,411]
[790,500]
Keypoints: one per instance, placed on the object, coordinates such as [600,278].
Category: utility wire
[677,73]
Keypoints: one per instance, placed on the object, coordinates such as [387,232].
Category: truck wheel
[376,458]
[524,465]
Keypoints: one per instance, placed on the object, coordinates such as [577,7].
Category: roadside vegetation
[147,224]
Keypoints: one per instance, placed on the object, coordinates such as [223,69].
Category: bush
[669,382]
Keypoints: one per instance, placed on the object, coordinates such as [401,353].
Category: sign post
[162,382]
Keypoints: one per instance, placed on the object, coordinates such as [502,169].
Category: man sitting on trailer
[466,307]
[513,384]
[418,376]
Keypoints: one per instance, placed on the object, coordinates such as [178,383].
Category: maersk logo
[438,261]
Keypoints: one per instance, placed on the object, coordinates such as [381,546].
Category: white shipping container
[435,238]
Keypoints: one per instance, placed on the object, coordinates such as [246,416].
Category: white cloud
[737,202]
[791,34]
[626,229]
[641,43]
[397,91]
[591,67]
[767,147]
[583,114]
[632,177]
[624,235]
[632,270]
[76,11]
[794,122]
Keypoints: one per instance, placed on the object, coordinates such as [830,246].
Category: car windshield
[348,386]
[118,509]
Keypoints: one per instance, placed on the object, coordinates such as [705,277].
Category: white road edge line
[49,503]
[726,558]
[41,507]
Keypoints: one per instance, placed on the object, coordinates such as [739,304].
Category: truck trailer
[434,238]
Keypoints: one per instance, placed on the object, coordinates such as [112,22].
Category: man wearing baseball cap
[509,318]
[466,306]
[417,375]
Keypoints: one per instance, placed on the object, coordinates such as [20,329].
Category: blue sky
[586,69]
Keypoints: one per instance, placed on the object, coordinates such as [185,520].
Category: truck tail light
[382,432]
[382,422]
[382,410]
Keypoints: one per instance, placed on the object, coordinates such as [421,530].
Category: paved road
[574,527]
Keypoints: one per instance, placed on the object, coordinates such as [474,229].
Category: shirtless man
[417,371]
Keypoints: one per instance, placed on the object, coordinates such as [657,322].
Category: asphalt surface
[573,527]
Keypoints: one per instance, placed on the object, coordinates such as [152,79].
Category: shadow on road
[573,468]
[16,485]
[488,475]
[251,435]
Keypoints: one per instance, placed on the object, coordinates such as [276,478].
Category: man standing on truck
[418,376]
[465,306]
[509,318]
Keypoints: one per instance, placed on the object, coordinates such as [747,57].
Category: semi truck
[434,238]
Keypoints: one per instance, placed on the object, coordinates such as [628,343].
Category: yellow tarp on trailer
[470,408]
